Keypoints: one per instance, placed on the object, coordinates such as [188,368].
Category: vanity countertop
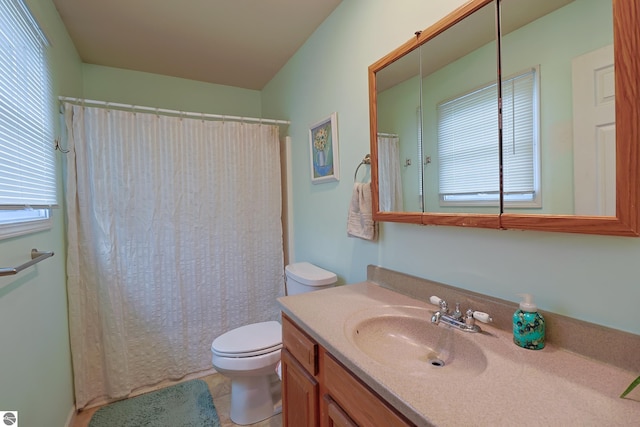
[551,387]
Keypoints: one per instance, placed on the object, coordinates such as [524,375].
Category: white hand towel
[360,221]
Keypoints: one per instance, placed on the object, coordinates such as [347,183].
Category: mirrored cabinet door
[460,117]
[558,89]
[398,135]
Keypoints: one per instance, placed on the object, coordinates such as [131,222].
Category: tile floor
[220,388]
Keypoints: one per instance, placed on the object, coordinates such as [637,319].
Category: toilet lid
[249,340]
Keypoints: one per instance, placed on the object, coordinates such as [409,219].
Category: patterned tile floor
[220,388]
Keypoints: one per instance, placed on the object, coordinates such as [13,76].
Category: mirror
[460,117]
[562,206]
[398,135]
[559,156]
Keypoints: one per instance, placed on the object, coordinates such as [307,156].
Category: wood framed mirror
[623,220]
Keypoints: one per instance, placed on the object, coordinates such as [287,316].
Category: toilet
[249,355]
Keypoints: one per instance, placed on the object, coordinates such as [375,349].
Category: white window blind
[518,134]
[468,143]
[27,160]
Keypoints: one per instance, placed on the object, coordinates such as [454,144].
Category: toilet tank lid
[309,274]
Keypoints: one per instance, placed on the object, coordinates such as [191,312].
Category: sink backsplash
[611,346]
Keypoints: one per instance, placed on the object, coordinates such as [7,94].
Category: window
[468,145]
[27,161]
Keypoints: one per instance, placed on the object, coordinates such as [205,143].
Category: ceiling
[241,43]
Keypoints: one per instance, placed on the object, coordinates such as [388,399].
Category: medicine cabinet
[513,114]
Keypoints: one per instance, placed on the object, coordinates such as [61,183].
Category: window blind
[518,134]
[27,155]
[468,141]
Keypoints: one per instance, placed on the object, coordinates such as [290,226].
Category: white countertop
[550,387]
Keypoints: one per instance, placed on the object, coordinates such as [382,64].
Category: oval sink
[403,338]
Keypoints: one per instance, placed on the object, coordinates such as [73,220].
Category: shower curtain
[389,177]
[175,236]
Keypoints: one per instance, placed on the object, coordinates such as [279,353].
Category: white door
[594,133]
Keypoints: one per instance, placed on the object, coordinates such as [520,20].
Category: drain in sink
[438,363]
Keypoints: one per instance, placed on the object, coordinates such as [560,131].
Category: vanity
[367,354]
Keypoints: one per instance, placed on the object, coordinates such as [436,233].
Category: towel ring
[365,161]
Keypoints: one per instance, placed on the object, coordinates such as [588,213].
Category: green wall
[569,274]
[35,360]
[153,90]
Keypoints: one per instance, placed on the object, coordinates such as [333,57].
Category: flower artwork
[320,145]
[324,150]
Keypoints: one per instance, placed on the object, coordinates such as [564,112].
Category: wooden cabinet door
[299,394]
[361,404]
[335,416]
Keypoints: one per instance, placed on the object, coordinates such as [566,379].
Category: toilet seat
[249,340]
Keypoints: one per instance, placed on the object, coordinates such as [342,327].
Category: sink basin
[404,339]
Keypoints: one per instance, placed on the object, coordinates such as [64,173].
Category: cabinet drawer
[361,404]
[300,345]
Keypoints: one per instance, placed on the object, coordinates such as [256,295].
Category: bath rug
[187,404]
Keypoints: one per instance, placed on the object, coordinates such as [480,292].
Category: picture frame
[323,150]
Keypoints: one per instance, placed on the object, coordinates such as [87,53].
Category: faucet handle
[435,300]
[483,317]
[444,308]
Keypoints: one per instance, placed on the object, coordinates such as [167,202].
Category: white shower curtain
[389,177]
[175,237]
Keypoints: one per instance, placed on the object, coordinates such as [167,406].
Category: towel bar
[365,161]
[36,257]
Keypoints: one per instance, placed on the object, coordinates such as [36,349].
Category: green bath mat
[187,404]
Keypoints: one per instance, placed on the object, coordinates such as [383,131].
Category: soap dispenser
[528,325]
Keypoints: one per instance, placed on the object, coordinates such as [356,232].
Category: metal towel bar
[36,257]
[365,161]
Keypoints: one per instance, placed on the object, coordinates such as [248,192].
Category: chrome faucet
[466,322]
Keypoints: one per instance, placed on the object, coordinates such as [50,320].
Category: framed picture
[323,142]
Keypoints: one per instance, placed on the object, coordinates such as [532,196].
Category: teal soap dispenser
[528,325]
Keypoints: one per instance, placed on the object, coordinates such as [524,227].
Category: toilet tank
[305,277]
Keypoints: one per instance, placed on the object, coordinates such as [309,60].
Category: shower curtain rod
[80,101]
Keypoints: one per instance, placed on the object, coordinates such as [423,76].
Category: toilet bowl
[249,355]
